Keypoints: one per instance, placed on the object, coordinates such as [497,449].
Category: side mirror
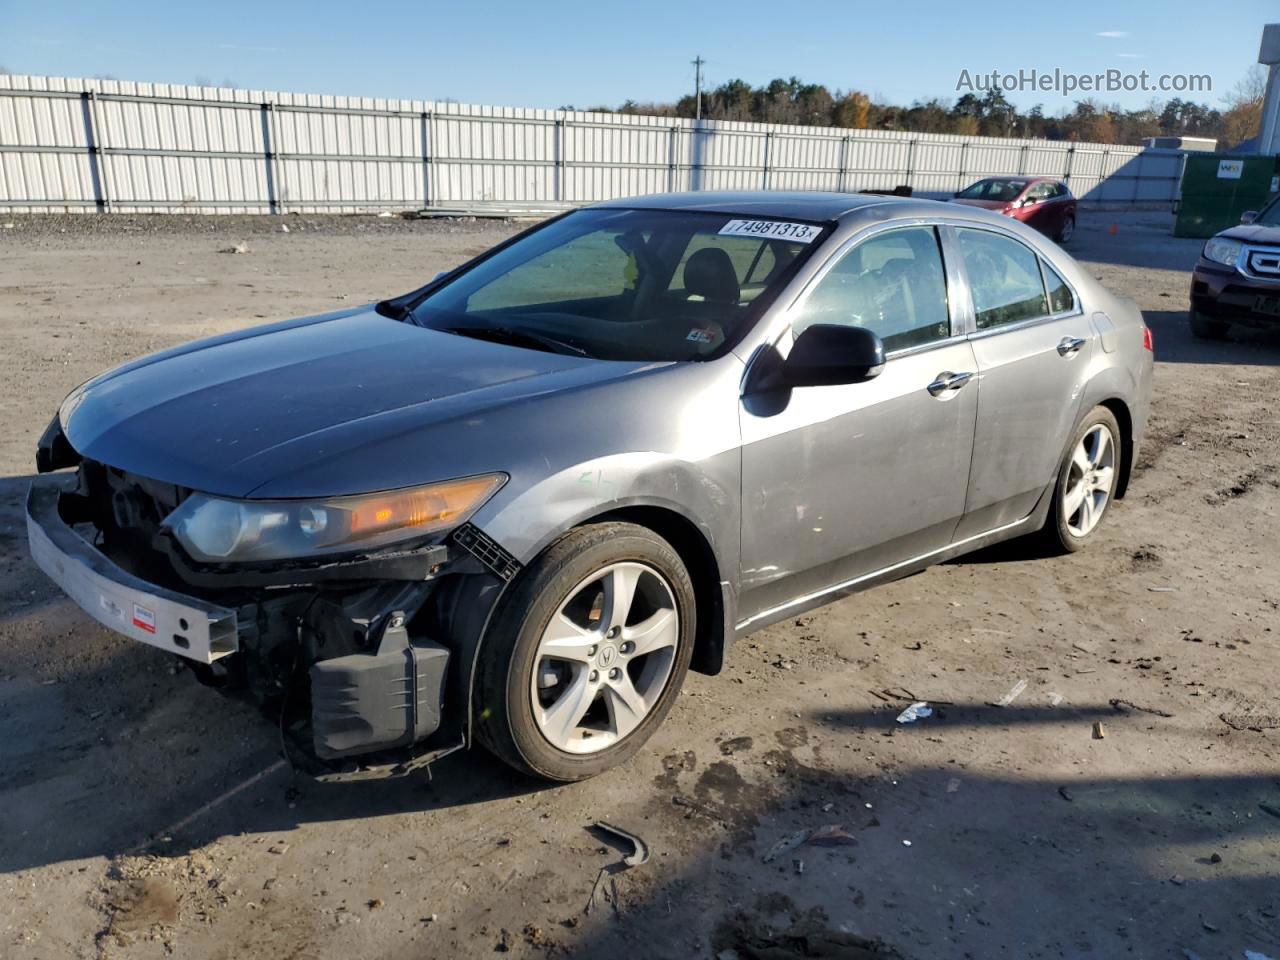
[1249,216]
[827,354]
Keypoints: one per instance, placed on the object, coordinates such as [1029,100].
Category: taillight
[1147,342]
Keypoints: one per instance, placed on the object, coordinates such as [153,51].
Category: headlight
[1222,250]
[237,531]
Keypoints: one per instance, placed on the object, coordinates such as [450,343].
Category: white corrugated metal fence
[70,145]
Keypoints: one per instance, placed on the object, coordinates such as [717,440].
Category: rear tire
[558,693]
[1087,482]
[1206,328]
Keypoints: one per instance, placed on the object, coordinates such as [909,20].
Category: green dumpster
[1217,187]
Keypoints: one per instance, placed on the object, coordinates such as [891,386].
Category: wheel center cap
[607,655]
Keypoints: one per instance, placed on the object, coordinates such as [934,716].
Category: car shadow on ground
[1183,862]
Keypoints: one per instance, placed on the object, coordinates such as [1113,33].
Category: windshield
[1004,190]
[625,284]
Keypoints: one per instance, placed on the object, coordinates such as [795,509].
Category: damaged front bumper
[190,627]
[344,654]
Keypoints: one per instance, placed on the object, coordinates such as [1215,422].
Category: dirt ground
[143,816]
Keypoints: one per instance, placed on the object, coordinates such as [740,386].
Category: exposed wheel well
[698,557]
[1121,412]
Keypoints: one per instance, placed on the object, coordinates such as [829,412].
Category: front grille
[1262,262]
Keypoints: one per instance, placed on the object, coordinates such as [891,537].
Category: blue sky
[549,53]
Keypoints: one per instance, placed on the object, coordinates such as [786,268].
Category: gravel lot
[142,816]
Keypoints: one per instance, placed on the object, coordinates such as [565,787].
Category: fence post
[671,159]
[97,166]
[1071,155]
[559,156]
[1137,180]
[1103,177]
[842,176]
[768,146]
[268,156]
[1022,159]
[911,163]
[425,121]
[964,151]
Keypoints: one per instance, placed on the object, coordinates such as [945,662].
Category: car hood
[229,415]
[984,204]
[1253,233]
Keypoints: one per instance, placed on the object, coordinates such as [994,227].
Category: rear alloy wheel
[588,654]
[1087,481]
[1067,230]
[1206,328]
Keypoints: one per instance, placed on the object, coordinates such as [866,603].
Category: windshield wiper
[519,338]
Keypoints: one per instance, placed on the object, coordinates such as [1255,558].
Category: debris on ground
[832,835]
[639,854]
[1099,731]
[1250,721]
[1122,706]
[1065,794]
[1012,695]
[1163,589]
[917,711]
[784,846]
[736,745]
[238,248]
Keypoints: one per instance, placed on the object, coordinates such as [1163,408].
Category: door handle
[1070,346]
[947,381]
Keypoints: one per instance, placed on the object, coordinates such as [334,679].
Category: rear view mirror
[827,354]
[1249,216]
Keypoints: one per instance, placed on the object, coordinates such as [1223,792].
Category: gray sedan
[518,504]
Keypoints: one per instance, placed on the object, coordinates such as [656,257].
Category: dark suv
[1237,278]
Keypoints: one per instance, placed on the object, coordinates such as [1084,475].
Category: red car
[1040,202]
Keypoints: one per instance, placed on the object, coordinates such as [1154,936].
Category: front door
[839,482]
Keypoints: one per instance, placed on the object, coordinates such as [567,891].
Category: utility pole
[697,84]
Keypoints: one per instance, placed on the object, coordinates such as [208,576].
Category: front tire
[1087,482]
[1206,328]
[587,653]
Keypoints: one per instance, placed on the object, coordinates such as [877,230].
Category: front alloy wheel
[587,652]
[605,658]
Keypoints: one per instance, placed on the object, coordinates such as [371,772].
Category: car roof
[804,204]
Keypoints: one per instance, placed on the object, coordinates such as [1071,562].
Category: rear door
[1032,344]
[841,481]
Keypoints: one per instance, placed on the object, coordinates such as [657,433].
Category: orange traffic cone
[1112,231]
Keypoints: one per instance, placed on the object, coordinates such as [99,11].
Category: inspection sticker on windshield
[771,230]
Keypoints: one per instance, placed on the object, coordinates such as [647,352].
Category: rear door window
[1004,278]
[1061,299]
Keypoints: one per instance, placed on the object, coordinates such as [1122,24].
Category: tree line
[991,114]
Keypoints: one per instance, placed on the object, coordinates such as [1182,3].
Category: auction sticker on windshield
[772,229]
